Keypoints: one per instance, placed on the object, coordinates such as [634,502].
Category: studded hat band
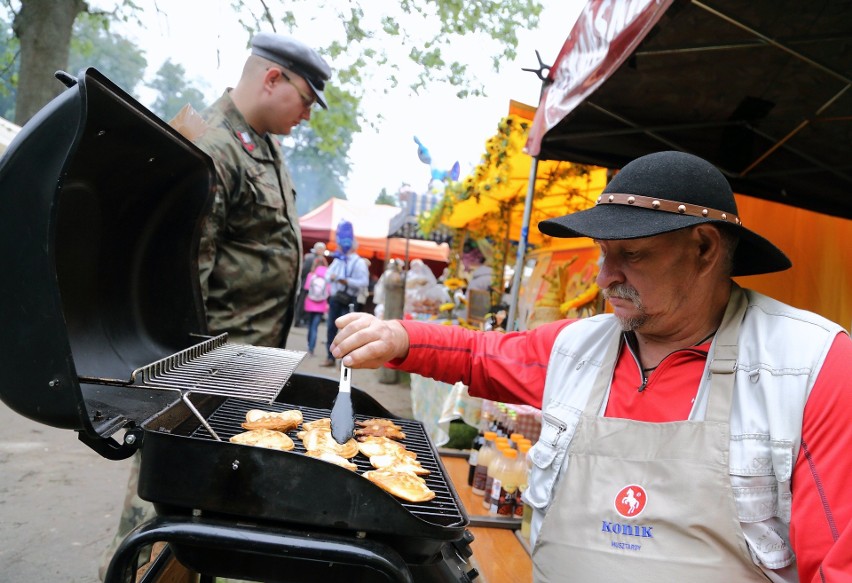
[668,206]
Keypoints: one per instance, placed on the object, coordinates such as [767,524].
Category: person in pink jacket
[317,290]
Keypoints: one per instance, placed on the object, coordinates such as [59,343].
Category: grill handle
[212,534]
[110,448]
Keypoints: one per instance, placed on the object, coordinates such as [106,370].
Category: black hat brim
[754,254]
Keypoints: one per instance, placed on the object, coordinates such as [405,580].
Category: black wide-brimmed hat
[665,192]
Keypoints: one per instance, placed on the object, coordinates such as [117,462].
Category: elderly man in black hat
[250,254]
[699,432]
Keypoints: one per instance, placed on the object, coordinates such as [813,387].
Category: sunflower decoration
[454,283]
[580,301]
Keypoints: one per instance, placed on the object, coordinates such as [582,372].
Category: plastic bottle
[486,452]
[522,510]
[499,443]
[477,444]
[495,478]
[524,440]
[514,438]
[511,421]
[504,492]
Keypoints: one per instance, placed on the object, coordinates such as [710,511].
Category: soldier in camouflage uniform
[251,247]
[250,256]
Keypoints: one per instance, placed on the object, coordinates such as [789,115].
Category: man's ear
[710,246]
[270,77]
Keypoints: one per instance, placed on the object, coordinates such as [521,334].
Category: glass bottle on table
[486,452]
[477,444]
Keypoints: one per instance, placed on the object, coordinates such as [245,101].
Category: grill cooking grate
[441,510]
[216,367]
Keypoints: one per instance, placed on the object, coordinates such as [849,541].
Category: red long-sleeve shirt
[511,368]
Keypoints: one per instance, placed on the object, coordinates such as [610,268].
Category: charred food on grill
[380,428]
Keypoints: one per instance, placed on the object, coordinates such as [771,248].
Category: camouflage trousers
[135,512]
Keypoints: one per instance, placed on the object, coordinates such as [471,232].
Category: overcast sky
[204,37]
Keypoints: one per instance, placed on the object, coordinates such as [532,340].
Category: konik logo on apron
[630,501]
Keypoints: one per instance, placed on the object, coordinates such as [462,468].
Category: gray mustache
[622,291]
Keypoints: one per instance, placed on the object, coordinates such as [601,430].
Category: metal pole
[522,247]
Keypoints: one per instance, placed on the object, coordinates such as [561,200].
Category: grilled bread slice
[379,421]
[370,446]
[325,422]
[320,439]
[401,484]
[333,458]
[394,462]
[279,421]
[268,438]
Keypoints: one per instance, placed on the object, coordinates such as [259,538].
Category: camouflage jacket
[251,246]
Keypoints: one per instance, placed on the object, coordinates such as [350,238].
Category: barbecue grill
[104,333]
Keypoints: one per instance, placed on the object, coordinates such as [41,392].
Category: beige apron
[650,501]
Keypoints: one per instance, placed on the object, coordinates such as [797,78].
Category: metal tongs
[342,415]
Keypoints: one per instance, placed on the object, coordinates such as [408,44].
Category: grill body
[356,531]
[101,205]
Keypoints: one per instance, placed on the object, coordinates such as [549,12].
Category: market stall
[371,224]
[490,203]
[760,89]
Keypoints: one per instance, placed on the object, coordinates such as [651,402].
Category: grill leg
[212,535]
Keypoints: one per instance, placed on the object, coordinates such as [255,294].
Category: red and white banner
[605,34]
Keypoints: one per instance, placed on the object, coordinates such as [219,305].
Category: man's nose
[609,273]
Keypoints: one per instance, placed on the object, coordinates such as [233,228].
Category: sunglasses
[307,100]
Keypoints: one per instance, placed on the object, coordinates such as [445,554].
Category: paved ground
[60,501]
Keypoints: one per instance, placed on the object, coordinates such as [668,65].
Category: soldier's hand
[365,341]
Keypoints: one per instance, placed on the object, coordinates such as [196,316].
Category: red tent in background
[371,223]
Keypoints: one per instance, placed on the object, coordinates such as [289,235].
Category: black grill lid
[100,211]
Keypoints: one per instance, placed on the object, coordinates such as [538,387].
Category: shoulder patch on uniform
[245,140]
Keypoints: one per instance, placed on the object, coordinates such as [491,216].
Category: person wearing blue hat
[348,274]
[250,254]
[699,432]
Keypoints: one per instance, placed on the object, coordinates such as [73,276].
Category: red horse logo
[630,501]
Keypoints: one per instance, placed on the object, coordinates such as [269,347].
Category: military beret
[295,56]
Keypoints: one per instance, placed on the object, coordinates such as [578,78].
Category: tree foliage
[174,91]
[319,163]
[386,198]
[94,44]
[370,46]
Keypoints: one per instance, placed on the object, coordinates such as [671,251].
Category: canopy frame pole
[520,261]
